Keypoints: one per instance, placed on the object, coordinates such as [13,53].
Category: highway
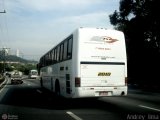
[28,101]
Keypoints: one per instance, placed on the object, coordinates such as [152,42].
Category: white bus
[33,74]
[90,62]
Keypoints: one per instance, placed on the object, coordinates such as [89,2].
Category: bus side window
[58,49]
[47,57]
[65,50]
[69,51]
[50,58]
[42,62]
[55,55]
[52,54]
[45,60]
[61,51]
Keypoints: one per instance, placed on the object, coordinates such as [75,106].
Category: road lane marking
[1,89]
[39,91]
[6,80]
[73,115]
[4,85]
[149,108]
[29,84]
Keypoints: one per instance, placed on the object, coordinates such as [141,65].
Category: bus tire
[41,82]
[57,88]
[51,84]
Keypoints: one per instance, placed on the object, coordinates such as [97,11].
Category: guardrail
[1,78]
[3,83]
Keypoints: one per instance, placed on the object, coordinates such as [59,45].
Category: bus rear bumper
[100,91]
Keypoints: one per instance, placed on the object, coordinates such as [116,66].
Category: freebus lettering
[104,74]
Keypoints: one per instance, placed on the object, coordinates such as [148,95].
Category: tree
[140,22]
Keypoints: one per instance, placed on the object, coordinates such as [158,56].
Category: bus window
[52,54]
[61,52]
[65,50]
[55,55]
[69,52]
[58,54]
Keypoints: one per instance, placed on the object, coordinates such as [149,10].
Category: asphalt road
[28,101]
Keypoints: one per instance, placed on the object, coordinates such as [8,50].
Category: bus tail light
[77,81]
[126,81]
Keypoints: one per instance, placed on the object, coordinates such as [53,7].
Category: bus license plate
[103,93]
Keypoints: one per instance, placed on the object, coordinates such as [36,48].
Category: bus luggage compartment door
[97,75]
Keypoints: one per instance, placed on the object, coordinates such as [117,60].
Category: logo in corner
[4,117]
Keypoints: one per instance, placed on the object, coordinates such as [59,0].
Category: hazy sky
[35,26]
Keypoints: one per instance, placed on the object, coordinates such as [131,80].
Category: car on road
[16,77]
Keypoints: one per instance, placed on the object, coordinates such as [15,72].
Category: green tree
[25,68]
[140,21]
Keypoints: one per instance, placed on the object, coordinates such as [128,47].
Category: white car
[16,78]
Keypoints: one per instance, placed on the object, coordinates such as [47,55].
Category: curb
[3,83]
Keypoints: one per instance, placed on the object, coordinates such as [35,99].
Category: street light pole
[3,49]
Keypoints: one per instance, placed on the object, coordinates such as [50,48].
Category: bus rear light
[126,81]
[77,81]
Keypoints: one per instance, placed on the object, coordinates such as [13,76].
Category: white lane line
[73,115]
[29,84]
[149,108]
[1,90]
[6,79]
[39,91]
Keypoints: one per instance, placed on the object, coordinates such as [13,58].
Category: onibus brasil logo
[9,117]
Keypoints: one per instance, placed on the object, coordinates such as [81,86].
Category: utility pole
[3,52]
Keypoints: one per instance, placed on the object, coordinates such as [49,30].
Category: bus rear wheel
[57,88]
[41,82]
